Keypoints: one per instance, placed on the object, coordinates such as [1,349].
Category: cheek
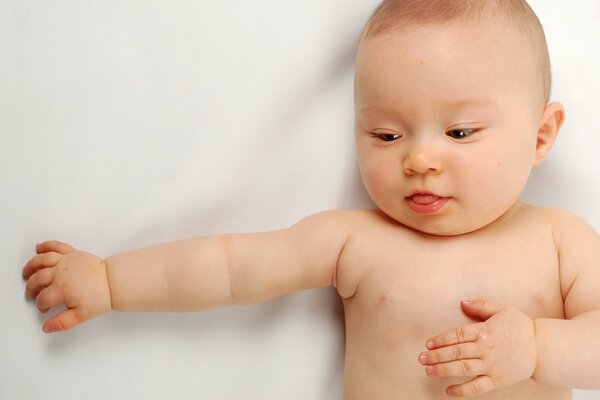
[485,171]
[372,176]
[379,178]
[504,176]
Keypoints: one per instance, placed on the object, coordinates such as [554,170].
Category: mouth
[426,203]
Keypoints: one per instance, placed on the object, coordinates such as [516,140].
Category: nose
[422,158]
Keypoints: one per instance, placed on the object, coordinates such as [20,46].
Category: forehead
[455,61]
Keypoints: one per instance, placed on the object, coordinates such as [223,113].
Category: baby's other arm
[568,350]
[189,275]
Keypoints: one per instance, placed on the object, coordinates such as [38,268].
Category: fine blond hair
[396,14]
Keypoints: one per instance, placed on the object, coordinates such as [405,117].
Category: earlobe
[550,124]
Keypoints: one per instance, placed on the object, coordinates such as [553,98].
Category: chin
[443,231]
[437,226]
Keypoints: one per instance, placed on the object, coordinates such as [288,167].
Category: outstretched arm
[187,275]
[215,271]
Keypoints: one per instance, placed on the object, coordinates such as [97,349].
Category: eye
[388,137]
[460,133]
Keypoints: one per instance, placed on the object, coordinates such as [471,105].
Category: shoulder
[337,232]
[564,224]
[330,231]
[578,247]
[567,224]
[573,235]
[348,221]
[570,232]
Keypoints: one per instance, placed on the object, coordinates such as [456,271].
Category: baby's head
[451,110]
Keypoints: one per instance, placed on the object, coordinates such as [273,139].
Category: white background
[129,123]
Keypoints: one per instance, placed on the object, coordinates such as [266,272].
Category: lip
[426,203]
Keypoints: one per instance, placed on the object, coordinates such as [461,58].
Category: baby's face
[446,124]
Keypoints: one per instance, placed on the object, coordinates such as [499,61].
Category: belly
[387,380]
[393,314]
[382,362]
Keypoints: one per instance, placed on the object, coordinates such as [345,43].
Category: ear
[552,119]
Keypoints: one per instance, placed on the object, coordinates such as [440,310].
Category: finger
[464,334]
[54,245]
[37,262]
[460,368]
[474,387]
[39,281]
[482,309]
[62,321]
[47,299]
[451,353]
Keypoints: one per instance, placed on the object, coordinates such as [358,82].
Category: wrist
[539,335]
[105,265]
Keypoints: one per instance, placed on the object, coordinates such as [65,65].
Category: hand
[59,274]
[498,352]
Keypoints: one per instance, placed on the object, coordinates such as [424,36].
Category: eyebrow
[454,104]
[375,108]
[470,102]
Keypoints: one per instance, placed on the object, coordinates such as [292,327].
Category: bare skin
[410,287]
[400,288]
[445,149]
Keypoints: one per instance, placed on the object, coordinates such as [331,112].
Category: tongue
[425,198]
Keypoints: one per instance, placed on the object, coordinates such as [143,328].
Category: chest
[416,285]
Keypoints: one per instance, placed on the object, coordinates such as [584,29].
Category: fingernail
[430,344]
[46,329]
[467,302]
[430,371]
[423,358]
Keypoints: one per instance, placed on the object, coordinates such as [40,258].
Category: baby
[452,286]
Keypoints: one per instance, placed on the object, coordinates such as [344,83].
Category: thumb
[62,321]
[482,309]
